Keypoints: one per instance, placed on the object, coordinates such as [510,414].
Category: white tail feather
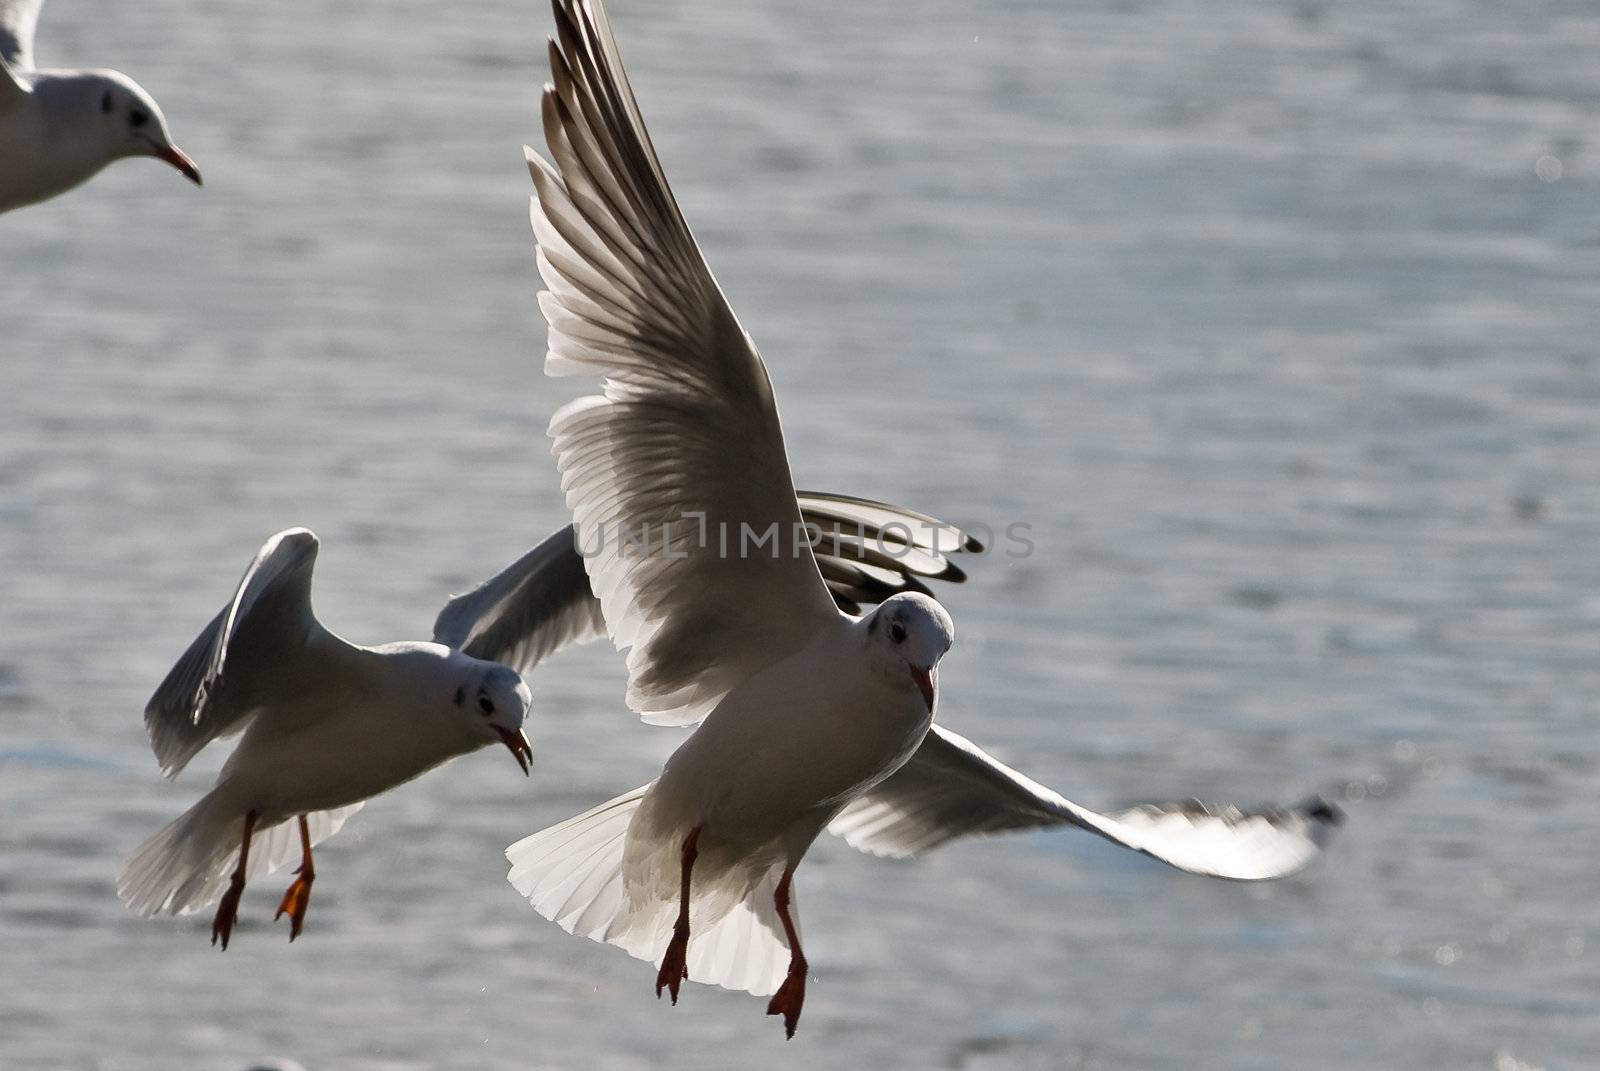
[572,874]
[187,865]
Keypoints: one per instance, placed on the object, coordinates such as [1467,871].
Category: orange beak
[518,743]
[927,680]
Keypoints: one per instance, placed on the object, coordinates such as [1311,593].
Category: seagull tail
[187,865]
[573,874]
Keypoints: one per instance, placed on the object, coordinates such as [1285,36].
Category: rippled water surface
[1276,323]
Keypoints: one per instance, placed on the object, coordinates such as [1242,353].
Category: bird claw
[789,998]
[295,901]
[227,911]
[674,966]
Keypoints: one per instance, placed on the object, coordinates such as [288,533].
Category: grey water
[1276,324]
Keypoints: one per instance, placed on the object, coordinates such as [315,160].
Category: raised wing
[542,602]
[529,610]
[211,691]
[677,477]
[951,788]
[18,19]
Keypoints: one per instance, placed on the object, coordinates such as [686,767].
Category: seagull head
[908,634]
[128,121]
[496,699]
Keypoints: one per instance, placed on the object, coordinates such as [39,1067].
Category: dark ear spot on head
[872,626]
[105,102]
[461,696]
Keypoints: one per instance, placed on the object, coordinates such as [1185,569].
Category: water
[1275,322]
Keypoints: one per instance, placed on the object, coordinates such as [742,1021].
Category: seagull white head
[125,120]
[908,634]
[495,700]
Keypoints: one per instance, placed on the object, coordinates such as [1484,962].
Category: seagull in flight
[809,716]
[59,127]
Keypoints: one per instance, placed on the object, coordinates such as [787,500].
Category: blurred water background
[1275,322]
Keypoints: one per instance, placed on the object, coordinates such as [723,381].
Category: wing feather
[18,20]
[951,788]
[684,453]
[210,692]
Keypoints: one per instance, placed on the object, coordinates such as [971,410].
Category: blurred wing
[528,611]
[211,691]
[677,477]
[542,602]
[950,788]
[18,18]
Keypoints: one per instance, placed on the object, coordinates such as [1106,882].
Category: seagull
[809,716]
[727,619]
[326,725]
[58,128]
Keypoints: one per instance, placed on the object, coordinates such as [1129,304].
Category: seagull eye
[138,117]
[105,103]
[485,705]
[897,632]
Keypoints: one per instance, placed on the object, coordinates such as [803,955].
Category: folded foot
[789,998]
[675,965]
[227,911]
[295,901]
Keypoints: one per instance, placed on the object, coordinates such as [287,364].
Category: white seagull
[806,713]
[326,724]
[58,128]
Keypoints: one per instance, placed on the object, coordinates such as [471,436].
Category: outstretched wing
[542,602]
[951,788]
[677,476]
[18,19]
[253,641]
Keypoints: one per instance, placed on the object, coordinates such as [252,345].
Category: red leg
[299,895]
[675,964]
[222,925]
[790,996]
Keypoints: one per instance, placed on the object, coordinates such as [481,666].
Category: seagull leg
[675,964]
[222,925]
[299,895]
[792,994]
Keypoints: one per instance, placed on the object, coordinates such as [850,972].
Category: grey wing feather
[529,610]
[543,601]
[18,18]
[200,699]
[951,788]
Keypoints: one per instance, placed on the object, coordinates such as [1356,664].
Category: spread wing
[18,19]
[540,603]
[951,788]
[263,637]
[677,475]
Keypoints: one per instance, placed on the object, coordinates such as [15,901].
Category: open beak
[180,160]
[927,680]
[517,741]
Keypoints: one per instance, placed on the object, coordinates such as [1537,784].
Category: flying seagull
[327,724]
[808,716]
[58,128]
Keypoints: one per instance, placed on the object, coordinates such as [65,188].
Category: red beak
[927,680]
[518,743]
[180,160]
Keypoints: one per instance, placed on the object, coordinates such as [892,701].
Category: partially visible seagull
[58,128]
[809,718]
[326,725]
